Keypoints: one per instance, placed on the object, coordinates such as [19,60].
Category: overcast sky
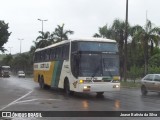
[84,17]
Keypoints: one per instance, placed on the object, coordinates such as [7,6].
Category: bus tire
[67,88]
[41,83]
[100,93]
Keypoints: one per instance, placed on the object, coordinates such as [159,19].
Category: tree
[104,32]
[60,34]
[118,33]
[145,36]
[4,34]
[154,60]
[154,64]
[135,49]
[22,62]
[43,39]
[153,35]
[32,50]
[7,60]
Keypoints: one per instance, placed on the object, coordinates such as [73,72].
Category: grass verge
[130,84]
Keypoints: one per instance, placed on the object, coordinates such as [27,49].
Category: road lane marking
[16,100]
[34,100]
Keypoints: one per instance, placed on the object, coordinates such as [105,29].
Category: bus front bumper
[98,87]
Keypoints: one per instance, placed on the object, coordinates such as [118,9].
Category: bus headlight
[86,88]
[116,86]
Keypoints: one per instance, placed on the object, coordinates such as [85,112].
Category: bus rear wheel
[42,84]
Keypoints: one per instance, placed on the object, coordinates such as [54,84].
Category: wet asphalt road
[23,94]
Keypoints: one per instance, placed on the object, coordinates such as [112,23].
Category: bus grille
[88,81]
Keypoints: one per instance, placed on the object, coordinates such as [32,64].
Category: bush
[154,64]
[154,60]
[135,72]
[154,69]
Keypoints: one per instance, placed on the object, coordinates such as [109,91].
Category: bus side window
[52,54]
[42,56]
[35,57]
[47,55]
[39,57]
[58,53]
[66,52]
[62,52]
[55,53]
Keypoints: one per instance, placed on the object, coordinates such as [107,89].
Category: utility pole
[20,44]
[125,49]
[10,49]
[146,48]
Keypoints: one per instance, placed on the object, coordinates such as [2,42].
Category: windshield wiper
[95,71]
[109,72]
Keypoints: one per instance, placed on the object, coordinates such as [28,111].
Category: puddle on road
[117,104]
[85,104]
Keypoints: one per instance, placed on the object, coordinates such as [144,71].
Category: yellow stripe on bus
[47,74]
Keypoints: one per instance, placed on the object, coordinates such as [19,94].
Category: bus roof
[77,39]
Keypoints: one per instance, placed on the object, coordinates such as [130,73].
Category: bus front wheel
[67,88]
[100,93]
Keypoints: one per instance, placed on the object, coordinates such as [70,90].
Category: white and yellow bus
[79,65]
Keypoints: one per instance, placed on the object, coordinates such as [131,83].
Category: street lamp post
[125,48]
[42,23]
[20,44]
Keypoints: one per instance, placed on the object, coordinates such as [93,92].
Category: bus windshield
[98,65]
[95,59]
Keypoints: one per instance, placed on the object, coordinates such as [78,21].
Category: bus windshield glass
[90,65]
[95,59]
[98,65]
